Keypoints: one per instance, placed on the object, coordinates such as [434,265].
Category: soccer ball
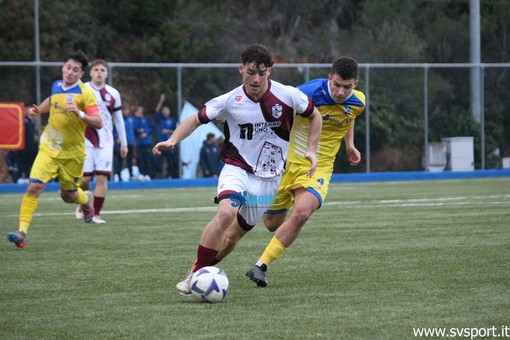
[209,284]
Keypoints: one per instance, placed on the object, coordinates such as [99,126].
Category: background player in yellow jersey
[72,106]
[339,104]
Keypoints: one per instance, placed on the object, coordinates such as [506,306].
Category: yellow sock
[82,197]
[26,211]
[273,250]
[24,225]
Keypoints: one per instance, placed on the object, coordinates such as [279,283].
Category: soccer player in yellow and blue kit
[339,104]
[72,106]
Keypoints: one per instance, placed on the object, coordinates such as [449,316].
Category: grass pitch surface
[377,261]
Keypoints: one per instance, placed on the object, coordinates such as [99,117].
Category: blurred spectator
[12,166]
[144,142]
[117,157]
[25,158]
[5,168]
[129,123]
[210,157]
[166,125]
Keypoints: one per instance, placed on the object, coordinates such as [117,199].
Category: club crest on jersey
[277,111]
[69,98]
[238,98]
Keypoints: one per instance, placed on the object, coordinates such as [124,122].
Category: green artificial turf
[377,261]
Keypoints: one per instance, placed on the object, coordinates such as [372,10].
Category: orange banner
[12,126]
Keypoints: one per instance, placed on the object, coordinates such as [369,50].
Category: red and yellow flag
[12,126]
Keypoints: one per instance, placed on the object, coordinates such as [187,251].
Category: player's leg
[43,170]
[282,202]
[103,165]
[86,177]
[213,234]
[211,241]
[85,181]
[69,170]
[308,196]
[100,197]
[233,235]
[129,159]
[274,219]
[174,163]
[305,204]
[231,181]
[256,199]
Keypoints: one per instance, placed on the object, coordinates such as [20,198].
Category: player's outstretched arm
[44,107]
[353,154]
[314,135]
[182,131]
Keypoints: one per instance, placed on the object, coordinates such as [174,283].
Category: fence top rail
[287,65]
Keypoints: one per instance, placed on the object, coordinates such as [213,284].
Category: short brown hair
[258,54]
[79,57]
[98,62]
[345,67]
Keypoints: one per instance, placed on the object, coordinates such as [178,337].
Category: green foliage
[495,30]
[495,141]
[180,31]
[447,22]
[384,26]
[17,30]
[452,123]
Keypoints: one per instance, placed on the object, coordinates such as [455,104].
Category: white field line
[397,203]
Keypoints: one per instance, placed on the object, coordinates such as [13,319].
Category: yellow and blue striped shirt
[336,121]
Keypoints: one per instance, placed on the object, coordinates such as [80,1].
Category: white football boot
[78,212]
[98,220]
[184,287]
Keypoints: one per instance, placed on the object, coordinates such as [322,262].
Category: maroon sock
[98,204]
[205,257]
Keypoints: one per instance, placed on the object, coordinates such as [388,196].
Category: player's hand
[312,157]
[123,151]
[71,107]
[353,155]
[33,111]
[161,146]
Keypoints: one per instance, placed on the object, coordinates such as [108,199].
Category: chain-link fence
[413,110]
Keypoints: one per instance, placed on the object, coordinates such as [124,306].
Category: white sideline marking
[411,202]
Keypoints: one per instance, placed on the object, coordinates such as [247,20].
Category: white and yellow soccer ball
[210,284]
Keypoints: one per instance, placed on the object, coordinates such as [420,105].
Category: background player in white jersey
[339,104]
[257,117]
[100,142]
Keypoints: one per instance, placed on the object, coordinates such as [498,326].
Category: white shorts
[99,161]
[252,194]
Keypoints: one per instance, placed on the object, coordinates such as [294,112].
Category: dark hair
[79,57]
[98,62]
[257,54]
[345,67]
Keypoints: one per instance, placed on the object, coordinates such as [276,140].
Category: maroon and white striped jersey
[110,106]
[257,132]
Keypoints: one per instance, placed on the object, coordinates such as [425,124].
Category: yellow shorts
[68,170]
[295,177]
